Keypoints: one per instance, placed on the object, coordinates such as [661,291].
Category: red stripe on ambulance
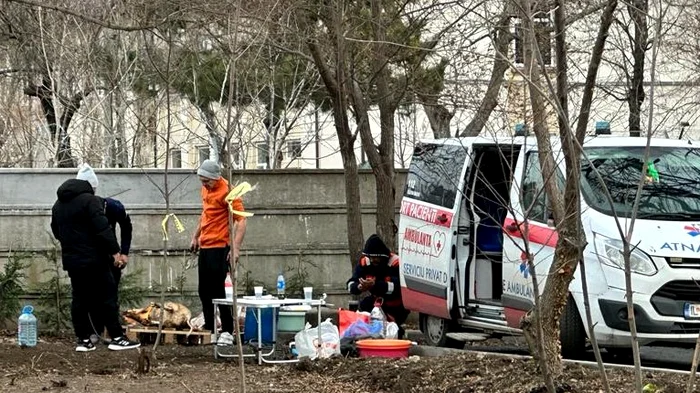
[423,303]
[536,234]
[426,213]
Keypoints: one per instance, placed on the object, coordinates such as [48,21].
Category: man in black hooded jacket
[89,248]
[378,273]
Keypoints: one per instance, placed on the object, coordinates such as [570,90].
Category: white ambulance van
[462,268]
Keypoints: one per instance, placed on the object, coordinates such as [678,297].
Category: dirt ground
[54,366]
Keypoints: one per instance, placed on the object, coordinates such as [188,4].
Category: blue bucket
[250,332]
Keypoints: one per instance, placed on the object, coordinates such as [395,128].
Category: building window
[544,30]
[176,158]
[263,154]
[203,152]
[293,148]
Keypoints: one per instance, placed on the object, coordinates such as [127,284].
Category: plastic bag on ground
[197,323]
[361,329]
[374,329]
[392,331]
[346,318]
[307,344]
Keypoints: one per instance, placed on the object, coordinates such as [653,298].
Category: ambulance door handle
[442,218]
[465,242]
[512,228]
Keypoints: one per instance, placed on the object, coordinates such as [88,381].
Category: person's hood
[375,247]
[71,188]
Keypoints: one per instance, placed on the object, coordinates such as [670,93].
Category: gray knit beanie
[209,169]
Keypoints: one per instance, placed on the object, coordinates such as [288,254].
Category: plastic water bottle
[26,327]
[280,286]
[228,286]
[378,320]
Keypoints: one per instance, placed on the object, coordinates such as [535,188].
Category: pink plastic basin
[383,348]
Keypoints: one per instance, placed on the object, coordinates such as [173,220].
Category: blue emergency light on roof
[520,129]
[602,128]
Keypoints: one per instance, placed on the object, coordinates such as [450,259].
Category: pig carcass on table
[175,315]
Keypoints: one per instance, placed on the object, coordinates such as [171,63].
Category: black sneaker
[85,346]
[122,343]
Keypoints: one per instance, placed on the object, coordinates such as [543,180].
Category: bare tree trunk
[381,157]
[165,77]
[111,158]
[501,43]
[536,340]
[438,116]
[626,251]
[57,128]
[591,328]
[638,10]
[584,115]
[596,57]
[694,367]
[352,191]
[501,39]
[122,156]
[335,83]
[65,153]
[567,211]
[231,125]
[544,344]
[640,31]
[215,142]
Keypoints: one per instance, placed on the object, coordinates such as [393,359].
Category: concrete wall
[299,215]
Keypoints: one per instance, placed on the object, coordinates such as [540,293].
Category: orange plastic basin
[383,348]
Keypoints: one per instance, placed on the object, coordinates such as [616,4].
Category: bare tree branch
[90,19]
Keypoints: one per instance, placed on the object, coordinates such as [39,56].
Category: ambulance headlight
[609,252]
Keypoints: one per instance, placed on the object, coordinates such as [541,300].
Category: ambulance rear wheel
[435,330]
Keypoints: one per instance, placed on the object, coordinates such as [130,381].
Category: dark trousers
[117,274]
[213,266]
[98,323]
[94,302]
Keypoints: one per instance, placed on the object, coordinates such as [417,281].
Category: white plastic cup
[308,293]
[258,292]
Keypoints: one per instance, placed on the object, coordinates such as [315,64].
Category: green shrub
[11,288]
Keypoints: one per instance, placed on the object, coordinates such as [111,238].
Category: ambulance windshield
[671,181]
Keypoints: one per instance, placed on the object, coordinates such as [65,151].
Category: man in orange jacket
[211,239]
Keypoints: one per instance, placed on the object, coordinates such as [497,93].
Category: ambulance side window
[534,197]
[434,173]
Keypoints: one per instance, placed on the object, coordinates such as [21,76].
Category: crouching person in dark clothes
[88,250]
[378,273]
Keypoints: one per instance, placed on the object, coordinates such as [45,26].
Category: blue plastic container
[250,332]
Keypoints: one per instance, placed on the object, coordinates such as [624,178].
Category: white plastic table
[258,304]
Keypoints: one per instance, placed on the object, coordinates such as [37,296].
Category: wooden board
[168,336]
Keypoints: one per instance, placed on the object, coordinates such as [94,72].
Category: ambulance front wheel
[572,333]
[435,330]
